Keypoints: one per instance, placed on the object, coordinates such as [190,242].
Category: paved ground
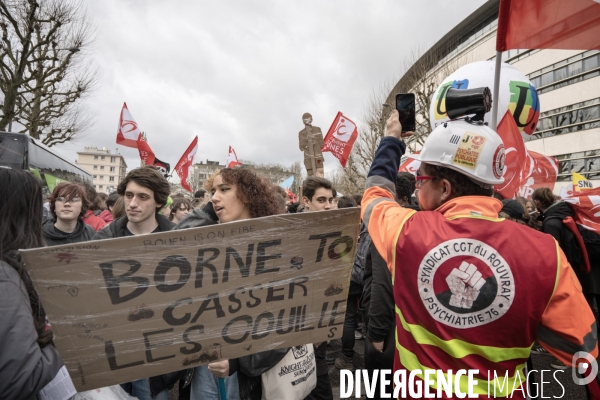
[551,389]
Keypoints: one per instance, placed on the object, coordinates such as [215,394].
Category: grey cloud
[242,73]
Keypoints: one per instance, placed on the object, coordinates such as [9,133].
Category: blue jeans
[141,390]
[205,386]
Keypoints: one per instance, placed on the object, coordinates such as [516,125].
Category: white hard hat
[470,148]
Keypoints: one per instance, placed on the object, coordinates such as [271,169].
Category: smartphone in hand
[405,104]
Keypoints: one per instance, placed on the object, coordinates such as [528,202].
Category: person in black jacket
[68,205]
[28,358]
[145,192]
[553,212]
[377,300]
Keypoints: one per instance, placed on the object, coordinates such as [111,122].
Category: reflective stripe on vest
[494,388]
[459,348]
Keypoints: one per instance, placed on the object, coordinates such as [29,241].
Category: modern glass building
[567,81]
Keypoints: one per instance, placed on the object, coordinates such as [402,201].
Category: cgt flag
[340,138]
[516,155]
[146,153]
[232,159]
[539,171]
[548,24]
[185,162]
[128,131]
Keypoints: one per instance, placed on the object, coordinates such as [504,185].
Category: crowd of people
[403,218]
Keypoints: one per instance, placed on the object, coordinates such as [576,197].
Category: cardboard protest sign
[128,308]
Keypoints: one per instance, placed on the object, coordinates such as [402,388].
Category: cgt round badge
[465,283]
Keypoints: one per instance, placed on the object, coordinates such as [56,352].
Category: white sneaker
[358,335]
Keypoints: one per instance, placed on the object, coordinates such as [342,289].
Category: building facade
[567,82]
[107,169]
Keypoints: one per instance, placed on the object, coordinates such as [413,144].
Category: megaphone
[461,102]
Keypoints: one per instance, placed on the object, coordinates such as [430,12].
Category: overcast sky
[242,73]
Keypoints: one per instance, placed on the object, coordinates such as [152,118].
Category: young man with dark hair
[465,294]
[144,191]
[317,194]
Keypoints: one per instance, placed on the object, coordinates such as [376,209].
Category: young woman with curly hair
[240,193]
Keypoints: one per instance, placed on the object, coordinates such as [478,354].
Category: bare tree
[43,75]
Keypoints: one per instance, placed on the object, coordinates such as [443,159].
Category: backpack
[362,251]
[585,239]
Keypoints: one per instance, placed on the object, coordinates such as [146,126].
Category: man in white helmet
[469,293]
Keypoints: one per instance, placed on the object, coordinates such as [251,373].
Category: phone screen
[405,104]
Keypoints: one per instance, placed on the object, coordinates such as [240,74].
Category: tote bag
[294,377]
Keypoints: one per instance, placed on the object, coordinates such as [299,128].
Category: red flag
[587,208]
[146,153]
[539,171]
[185,162]
[516,155]
[548,24]
[340,138]
[411,165]
[232,159]
[128,131]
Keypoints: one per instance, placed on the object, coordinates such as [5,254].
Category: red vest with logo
[470,293]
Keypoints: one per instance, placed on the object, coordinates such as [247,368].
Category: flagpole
[496,90]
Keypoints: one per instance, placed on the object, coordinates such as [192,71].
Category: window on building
[102,167]
[95,157]
[575,117]
[103,158]
[112,169]
[113,159]
[100,187]
[585,163]
[95,167]
[101,176]
[575,69]
[95,176]
[111,178]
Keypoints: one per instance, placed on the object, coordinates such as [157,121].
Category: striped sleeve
[379,209]
[568,324]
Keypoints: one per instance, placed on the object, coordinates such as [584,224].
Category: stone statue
[311,140]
